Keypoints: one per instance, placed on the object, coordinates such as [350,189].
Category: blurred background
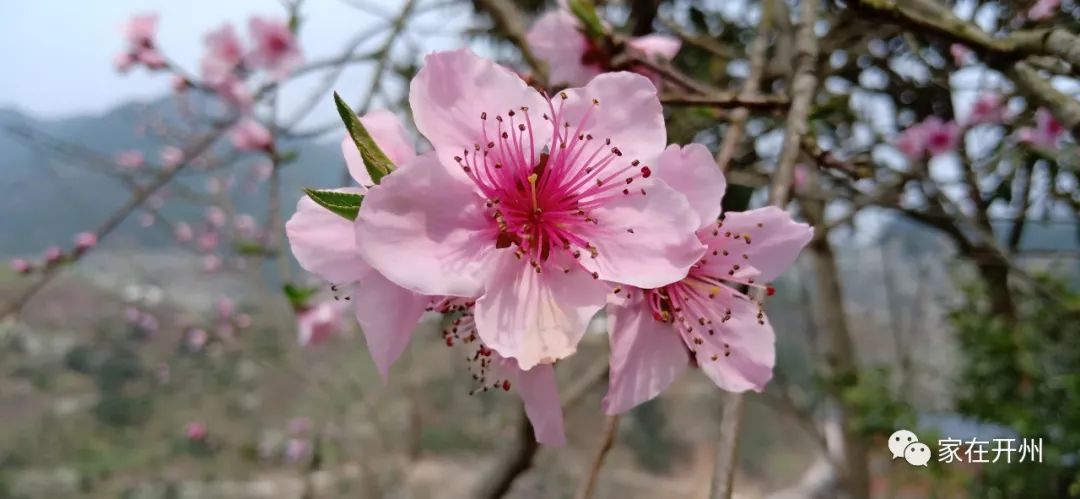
[148,350]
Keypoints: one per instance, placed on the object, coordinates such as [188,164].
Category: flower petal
[452,90]
[662,246]
[646,355]
[387,314]
[389,134]
[763,243]
[693,172]
[557,40]
[324,243]
[426,230]
[540,394]
[536,317]
[751,345]
[629,114]
[656,46]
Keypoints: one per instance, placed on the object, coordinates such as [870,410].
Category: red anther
[449,341]
[769,290]
[506,385]
[645,172]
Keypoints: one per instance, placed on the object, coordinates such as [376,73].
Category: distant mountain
[47,197]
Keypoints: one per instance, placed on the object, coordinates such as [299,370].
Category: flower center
[542,201]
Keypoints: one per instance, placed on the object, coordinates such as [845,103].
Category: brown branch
[607,440]
[728,101]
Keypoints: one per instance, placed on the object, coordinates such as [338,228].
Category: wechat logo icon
[905,444]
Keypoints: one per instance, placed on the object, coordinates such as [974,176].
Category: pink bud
[130,160]
[207,241]
[250,135]
[242,321]
[215,216]
[225,308]
[146,220]
[183,232]
[85,241]
[171,157]
[245,225]
[196,339]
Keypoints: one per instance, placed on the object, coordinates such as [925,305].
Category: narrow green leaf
[376,162]
[299,295]
[585,11]
[345,204]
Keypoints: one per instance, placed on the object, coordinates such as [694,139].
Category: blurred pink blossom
[960,53]
[180,84]
[243,321]
[20,265]
[1046,132]
[275,48]
[148,322]
[171,157]
[987,109]
[235,92]
[195,431]
[207,241]
[250,135]
[211,263]
[225,308]
[557,39]
[130,159]
[85,241]
[260,172]
[53,254]
[213,186]
[319,323]
[140,30]
[941,136]
[296,450]
[147,220]
[196,339]
[215,216]
[183,232]
[245,225]
[223,54]
[299,426]
[132,314]
[1043,9]
[123,62]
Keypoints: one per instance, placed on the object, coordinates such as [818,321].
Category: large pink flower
[557,39]
[326,244]
[224,52]
[275,47]
[529,204]
[655,334]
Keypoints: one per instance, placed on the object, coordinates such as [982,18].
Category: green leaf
[376,162]
[252,248]
[299,295]
[345,204]
[287,157]
[585,11]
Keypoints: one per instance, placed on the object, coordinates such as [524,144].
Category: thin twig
[607,440]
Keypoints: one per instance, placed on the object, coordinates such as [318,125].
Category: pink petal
[536,318]
[426,230]
[325,243]
[646,355]
[451,92]
[387,314]
[557,40]
[693,172]
[661,248]
[628,113]
[540,395]
[389,134]
[753,353]
[657,46]
[775,241]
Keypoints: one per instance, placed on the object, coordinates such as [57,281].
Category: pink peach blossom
[245,225]
[85,241]
[960,53]
[242,321]
[261,171]
[1046,132]
[207,241]
[558,40]
[196,339]
[171,157]
[225,308]
[941,136]
[151,58]
[296,450]
[235,93]
[140,30]
[325,244]
[987,109]
[132,314]
[147,220]
[123,62]
[552,200]
[655,334]
[223,55]
[20,265]
[148,322]
[250,135]
[275,47]
[130,160]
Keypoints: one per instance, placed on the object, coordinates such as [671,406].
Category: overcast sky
[58,53]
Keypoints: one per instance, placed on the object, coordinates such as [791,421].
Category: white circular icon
[917,454]
[899,440]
